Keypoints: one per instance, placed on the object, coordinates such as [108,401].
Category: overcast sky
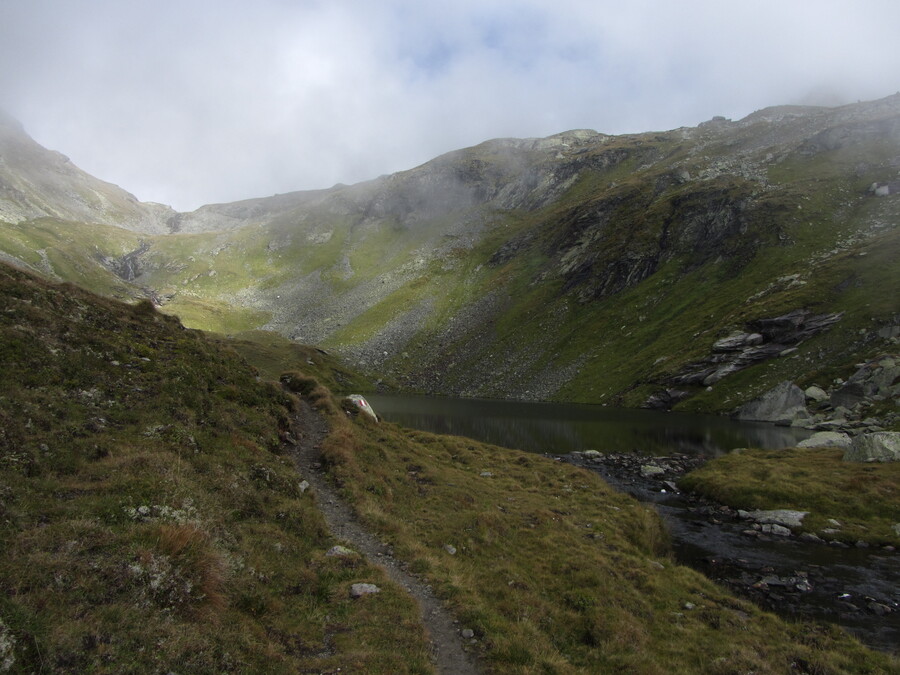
[188,102]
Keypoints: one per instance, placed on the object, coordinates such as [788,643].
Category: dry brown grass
[192,549]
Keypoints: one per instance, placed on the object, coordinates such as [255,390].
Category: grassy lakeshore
[863,497]
[553,570]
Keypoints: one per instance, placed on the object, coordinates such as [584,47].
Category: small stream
[857,588]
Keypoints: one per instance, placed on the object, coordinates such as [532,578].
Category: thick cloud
[195,101]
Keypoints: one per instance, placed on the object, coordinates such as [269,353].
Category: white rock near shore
[826,439]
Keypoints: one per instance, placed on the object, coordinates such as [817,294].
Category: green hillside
[579,267]
[152,521]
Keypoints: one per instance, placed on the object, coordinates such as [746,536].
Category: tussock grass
[553,570]
[149,518]
[863,497]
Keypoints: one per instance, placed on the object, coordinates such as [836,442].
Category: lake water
[560,428]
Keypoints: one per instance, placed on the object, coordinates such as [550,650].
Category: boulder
[780,405]
[849,395]
[826,439]
[881,446]
[362,404]
[816,394]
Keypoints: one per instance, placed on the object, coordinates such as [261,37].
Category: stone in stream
[650,470]
[783,517]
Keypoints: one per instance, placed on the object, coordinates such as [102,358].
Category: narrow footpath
[446,644]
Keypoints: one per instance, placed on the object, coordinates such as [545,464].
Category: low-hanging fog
[196,101]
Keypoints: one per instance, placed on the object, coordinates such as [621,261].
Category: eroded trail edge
[446,644]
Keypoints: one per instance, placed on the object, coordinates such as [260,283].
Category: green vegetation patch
[863,497]
[554,571]
[150,520]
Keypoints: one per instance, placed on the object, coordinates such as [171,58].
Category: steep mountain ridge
[580,266]
[37,183]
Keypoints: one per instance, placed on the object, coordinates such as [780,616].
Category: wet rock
[826,439]
[783,517]
[359,590]
[649,470]
[778,530]
[881,446]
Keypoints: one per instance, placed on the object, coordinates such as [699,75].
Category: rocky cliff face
[580,266]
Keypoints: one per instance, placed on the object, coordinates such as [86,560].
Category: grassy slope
[863,497]
[71,252]
[554,571]
[149,520]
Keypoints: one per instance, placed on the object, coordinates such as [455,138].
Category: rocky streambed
[758,555]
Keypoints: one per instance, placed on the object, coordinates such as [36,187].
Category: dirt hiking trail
[446,644]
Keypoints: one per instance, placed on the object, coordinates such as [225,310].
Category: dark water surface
[840,578]
[560,428]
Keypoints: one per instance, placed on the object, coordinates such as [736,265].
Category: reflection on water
[559,428]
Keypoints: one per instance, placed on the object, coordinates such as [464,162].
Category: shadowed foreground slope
[149,521]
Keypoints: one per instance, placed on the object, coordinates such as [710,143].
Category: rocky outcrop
[782,405]
[883,446]
[764,339]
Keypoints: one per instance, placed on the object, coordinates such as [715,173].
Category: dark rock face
[127,267]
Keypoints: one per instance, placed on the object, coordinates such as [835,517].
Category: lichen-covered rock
[816,394]
[881,446]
